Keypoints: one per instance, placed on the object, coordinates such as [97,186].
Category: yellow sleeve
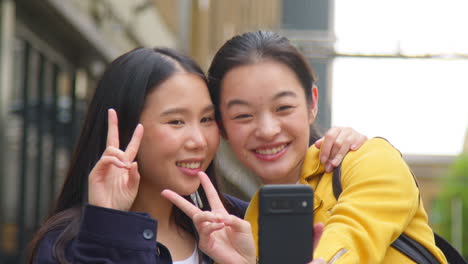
[379,199]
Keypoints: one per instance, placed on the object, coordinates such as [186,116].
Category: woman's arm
[379,199]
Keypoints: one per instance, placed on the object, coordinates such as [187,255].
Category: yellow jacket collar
[311,166]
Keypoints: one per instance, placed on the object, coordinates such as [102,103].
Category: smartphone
[285,224]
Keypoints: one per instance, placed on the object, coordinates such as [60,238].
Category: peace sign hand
[113,182]
[224,237]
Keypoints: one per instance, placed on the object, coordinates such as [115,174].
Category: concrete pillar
[7,40]
[309,24]
[465,145]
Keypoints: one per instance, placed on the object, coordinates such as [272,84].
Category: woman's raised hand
[224,237]
[336,143]
[113,182]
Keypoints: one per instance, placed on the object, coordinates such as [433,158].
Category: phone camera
[280,204]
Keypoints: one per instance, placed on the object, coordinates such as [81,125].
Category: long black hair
[253,47]
[124,86]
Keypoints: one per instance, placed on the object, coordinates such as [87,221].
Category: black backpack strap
[405,244]
[413,250]
[336,182]
[452,255]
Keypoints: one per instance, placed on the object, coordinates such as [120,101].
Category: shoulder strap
[414,250]
[452,255]
[336,182]
[405,244]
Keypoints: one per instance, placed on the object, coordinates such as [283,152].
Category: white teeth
[189,165]
[270,151]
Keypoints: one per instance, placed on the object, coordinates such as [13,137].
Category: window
[401,72]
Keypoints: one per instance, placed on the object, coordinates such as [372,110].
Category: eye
[242,116]
[176,122]
[207,119]
[284,108]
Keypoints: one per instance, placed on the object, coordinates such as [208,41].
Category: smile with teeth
[270,151]
[189,165]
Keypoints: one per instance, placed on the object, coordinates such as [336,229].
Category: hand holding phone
[285,224]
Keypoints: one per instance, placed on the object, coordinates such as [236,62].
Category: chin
[272,177]
[187,190]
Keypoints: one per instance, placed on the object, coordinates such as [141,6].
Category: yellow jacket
[380,200]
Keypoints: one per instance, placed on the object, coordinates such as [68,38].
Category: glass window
[419,104]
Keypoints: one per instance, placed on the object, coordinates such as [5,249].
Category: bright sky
[420,105]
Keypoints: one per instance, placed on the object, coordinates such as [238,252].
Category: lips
[271,152]
[190,167]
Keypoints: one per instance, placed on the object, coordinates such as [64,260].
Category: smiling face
[266,119]
[181,135]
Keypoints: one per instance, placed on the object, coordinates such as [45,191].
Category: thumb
[318,231]
[319,142]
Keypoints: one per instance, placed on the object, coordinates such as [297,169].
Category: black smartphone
[285,224]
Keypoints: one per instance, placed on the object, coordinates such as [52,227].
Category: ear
[313,107]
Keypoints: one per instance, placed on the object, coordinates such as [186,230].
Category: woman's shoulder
[51,233]
[45,252]
[378,161]
[98,233]
[375,148]
[239,205]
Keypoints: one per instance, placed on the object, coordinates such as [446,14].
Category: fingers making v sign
[224,237]
[113,182]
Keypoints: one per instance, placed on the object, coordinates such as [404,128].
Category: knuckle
[111,149]
[330,133]
[339,143]
[347,141]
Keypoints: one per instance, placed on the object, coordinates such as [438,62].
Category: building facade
[51,54]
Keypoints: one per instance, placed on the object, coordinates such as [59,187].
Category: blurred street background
[391,68]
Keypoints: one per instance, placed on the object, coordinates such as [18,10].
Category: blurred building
[204,25]
[51,54]
[428,171]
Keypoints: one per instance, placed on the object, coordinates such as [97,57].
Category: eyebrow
[233,102]
[180,110]
[283,94]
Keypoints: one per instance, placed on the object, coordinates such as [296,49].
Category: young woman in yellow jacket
[266,100]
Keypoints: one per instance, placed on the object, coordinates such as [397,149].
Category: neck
[150,201]
[292,177]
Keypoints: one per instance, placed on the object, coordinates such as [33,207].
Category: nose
[196,139]
[267,127]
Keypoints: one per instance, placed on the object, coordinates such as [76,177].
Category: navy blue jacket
[115,237]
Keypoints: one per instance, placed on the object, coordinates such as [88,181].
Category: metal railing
[45,111]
